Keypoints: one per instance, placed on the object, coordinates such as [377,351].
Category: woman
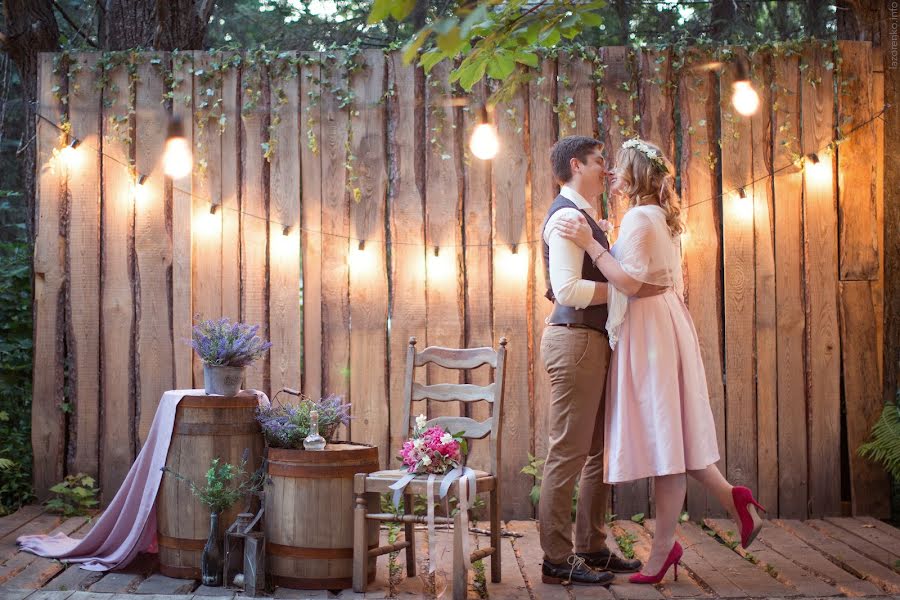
[658,420]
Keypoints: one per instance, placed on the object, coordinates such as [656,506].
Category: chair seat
[380,482]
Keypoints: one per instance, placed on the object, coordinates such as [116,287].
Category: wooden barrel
[309,515]
[206,427]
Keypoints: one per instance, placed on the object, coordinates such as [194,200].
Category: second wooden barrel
[309,515]
[206,427]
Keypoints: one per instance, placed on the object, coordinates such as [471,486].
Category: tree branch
[71,22]
[4,42]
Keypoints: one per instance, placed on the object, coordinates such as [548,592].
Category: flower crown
[652,154]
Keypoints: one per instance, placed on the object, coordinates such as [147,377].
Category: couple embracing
[628,391]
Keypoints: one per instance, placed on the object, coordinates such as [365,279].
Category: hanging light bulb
[360,260]
[484,142]
[70,154]
[140,190]
[439,265]
[744,97]
[177,158]
[515,263]
[817,168]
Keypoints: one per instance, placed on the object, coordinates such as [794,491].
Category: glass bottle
[211,559]
[314,441]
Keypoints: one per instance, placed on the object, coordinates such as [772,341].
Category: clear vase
[211,559]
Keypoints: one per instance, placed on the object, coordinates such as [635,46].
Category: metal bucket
[223,381]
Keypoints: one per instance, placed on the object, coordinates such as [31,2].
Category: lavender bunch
[285,426]
[225,344]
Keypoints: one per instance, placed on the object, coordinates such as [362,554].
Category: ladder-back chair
[365,486]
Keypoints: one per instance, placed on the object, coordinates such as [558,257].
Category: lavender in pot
[226,349]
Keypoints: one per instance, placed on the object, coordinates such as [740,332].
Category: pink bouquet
[432,450]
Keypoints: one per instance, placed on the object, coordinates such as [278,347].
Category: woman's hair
[647,181]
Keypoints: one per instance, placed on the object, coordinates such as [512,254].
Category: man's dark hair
[563,151]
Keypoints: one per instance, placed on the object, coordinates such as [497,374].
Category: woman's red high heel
[746,506]
[672,559]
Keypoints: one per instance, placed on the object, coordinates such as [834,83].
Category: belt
[574,326]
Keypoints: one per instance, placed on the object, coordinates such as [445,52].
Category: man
[576,352]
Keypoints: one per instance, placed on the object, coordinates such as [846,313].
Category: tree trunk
[859,20]
[722,16]
[30,29]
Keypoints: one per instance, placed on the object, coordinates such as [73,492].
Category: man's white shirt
[567,259]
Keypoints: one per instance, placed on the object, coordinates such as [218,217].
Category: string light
[743,97]
[485,142]
[819,170]
[360,260]
[741,192]
[213,208]
[177,157]
[811,165]
[288,230]
[515,263]
[140,189]
[439,267]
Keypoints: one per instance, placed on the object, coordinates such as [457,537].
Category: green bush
[75,495]
[15,360]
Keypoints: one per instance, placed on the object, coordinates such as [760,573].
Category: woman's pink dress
[658,418]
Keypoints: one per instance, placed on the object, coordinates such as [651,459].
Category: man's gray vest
[592,316]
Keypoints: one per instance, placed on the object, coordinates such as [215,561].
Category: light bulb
[484,142]
[177,158]
[438,264]
[745,99]
[70,154]
[515,262]
[819,170]
[140,190]
[361,260]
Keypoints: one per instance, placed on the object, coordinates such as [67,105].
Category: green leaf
[450,42]
[590,19]
[549,38]
[476,17]
[470,75]
[527,58]
[59,488]
[638,518]
[380,11]
[413,45]
[431,58]
[501,66]
[400,9]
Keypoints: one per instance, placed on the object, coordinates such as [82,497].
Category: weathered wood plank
[820,244]
[617,98]
[512,224]
[778,566]
[869,483]
[29,571]
[182,216]
[765,302]
[657,100]
[843,555]
[74,578]
[83,267]
[544,188]
[880,526]
[750,578]
[856,162]
[531,557]
[868,531]
[255,116]
[11,523]
[477,256]
[335,231]
[49,595]
[739,289]
[407,223]
[229,128]
[813,561]
[48,420]
[122,201]
[160,584]
[284,212]
[444,282]
[789,290]
[311,219]
[369,284]
[576,108]
[206,189]
[154,344]
[42,524]
[512,585]
[114,582]
[701,246]
[889,558]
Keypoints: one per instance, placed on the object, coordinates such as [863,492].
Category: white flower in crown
[446,438]
[420,421]
[651,153]
[605,226]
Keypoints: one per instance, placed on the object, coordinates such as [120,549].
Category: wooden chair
[365,486]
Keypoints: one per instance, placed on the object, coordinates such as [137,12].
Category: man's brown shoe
[574,572]
[608,561]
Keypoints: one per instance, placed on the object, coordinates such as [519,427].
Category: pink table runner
[128,525]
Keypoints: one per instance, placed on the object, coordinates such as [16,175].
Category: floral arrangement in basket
[286,426]
[432,449]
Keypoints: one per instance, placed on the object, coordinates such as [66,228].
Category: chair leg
[496,540]
[360,545]
[460,577]
[409,530]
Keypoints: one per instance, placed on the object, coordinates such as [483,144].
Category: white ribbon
[467,493]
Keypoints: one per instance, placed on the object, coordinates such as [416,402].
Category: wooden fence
[351,217]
